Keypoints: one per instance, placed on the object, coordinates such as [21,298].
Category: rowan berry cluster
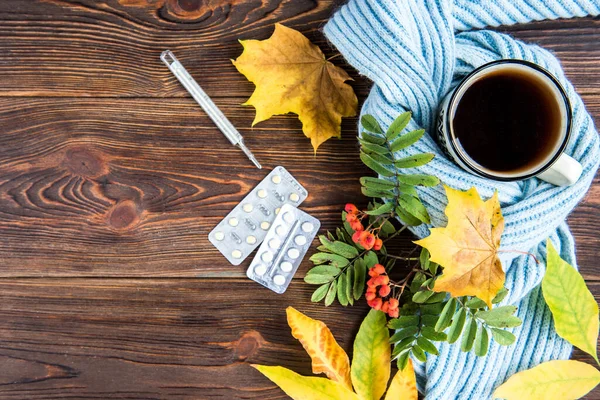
[378,289]
[363,236]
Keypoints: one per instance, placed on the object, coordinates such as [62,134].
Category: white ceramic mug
[556,167]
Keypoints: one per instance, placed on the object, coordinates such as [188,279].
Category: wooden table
[111,178]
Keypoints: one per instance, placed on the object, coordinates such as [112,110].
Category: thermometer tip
[249,154]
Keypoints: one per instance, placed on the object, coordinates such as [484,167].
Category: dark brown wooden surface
[111,178]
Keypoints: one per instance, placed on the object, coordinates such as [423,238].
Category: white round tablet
[248,207]
[251,239]
[286,266]
[274,243]
[267,256]
[236,254]
[300,240]
[262,193]
[276,179]
[307,227]
[279,280]
[233,221]
[294,197]
[293,253]
[260,269]
[219,235]
[280,230]
[288,217]
[265,225]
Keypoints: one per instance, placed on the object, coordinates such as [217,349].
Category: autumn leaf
[300,387]
[292,75]
[371,362]
[468,246]
[326,354]
[556,380]
[573,306]
[404,385]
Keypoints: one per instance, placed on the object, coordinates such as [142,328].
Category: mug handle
[564,172]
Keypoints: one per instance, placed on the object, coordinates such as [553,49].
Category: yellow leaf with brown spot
[468,246]
[292,75]
[404,385]
[326,354]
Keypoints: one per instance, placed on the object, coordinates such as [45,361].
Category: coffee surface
[508,121]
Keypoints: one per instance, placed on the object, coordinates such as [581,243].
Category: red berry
[384,290]
[367,240]
[394,303]
[379,269]
[372,283]
[351,218]
[351,208]
[394,313]
[381,280]
[385,306]
[357,226]
[376,303]
[371,289]
[356,236]
[378,244]
[370,296]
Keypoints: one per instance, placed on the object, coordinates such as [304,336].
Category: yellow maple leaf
[468,246]
[292,75]
[326,354]
[403,385]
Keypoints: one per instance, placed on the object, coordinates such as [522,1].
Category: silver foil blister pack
[246,226]
[283,249]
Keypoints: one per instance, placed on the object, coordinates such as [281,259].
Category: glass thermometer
[206,103]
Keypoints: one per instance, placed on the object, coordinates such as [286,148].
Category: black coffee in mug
[508,121]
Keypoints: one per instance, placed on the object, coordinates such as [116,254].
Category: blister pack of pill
[285,245]
[246,226]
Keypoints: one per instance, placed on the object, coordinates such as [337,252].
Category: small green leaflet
[398,125]
[370,123]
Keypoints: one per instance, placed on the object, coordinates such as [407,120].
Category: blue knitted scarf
[416,51]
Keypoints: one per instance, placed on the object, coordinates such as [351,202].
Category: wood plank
[155,339]
[112,48]
[131,187]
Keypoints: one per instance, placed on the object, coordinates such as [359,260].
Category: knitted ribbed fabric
[415,51]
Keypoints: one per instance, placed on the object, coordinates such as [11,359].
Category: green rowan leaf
[414,161]
[370,259]
[502,337]
[482,342]
[370,124]
[468,336]
[418,179]
[360,274]
[406,218]
[427,346]
[377,193]
[331,294]
[404,333]
[406,140]
[475,303]
[445,318]
[376,183]
[341,290]
[339,248]
[398,125]
[431,334]
[419,354]
[402,361]
[458,323]
[349,285]
[414,207]
[373,148]
[404,321]
[422,296]
[384,209]
[334,259]
[376,166]
[500,295]
[320,293]
[372,138]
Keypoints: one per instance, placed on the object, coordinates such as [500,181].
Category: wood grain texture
[111,177]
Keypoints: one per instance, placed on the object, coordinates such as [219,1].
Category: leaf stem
[526,253]
[403,258]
